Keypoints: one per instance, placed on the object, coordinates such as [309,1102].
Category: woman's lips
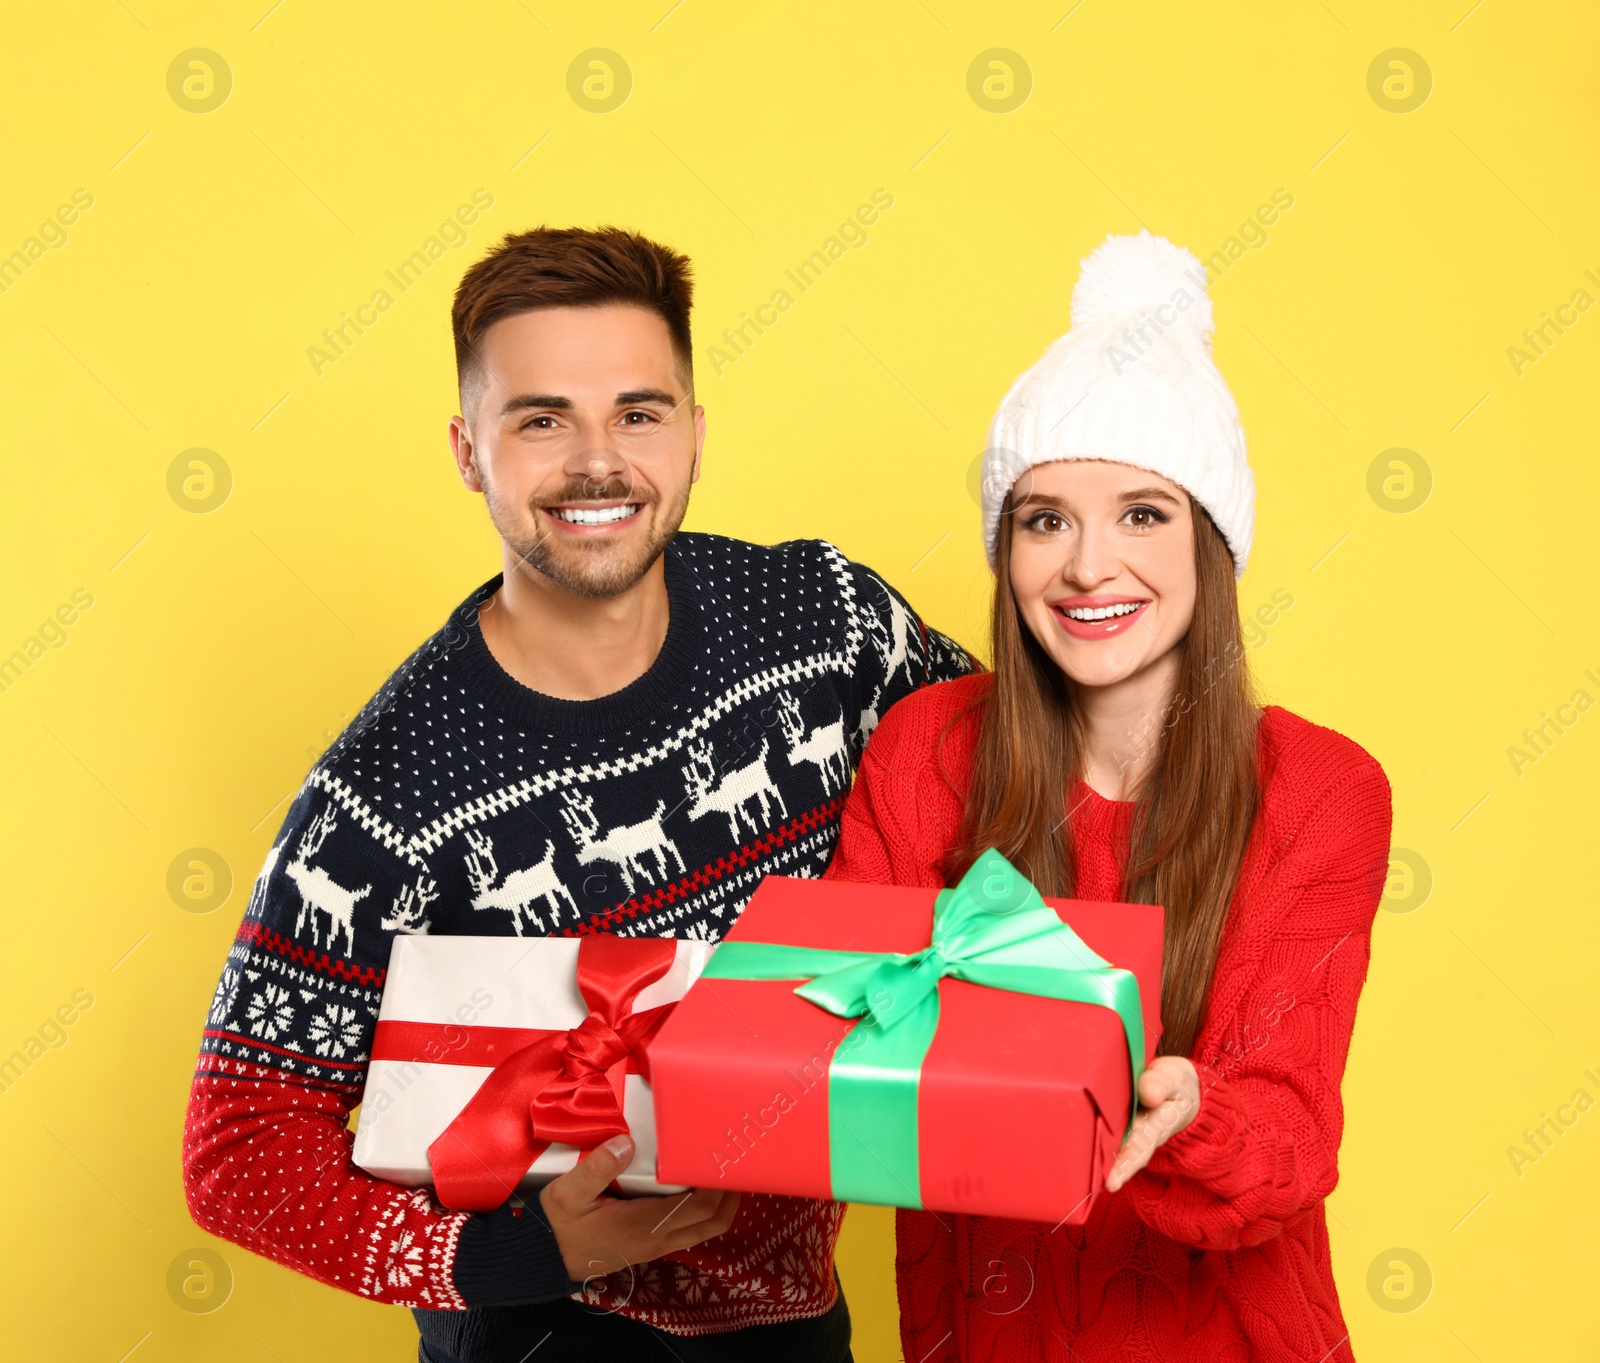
[1098,629]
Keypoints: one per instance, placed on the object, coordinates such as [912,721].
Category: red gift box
[1022,1100]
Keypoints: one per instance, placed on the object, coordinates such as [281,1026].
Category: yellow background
[224,650]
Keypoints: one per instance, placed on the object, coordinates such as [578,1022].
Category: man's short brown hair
[570,267]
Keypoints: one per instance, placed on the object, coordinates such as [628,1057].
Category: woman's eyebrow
[1143,494]
[1043,498]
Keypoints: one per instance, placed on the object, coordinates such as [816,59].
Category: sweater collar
[534,712]
[1093,811]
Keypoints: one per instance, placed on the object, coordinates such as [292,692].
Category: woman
[1115,752]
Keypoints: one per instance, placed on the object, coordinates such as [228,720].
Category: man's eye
[532,422]
[627,417]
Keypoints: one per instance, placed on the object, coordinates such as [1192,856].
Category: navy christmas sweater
[461,801]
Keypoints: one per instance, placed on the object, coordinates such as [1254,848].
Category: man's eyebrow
[556,403]
[523,400]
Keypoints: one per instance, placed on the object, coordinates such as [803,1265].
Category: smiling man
[622,731]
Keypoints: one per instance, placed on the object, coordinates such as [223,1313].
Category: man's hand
[599,1234]
[1169,1098]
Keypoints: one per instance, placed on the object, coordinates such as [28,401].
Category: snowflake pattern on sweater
[460,801]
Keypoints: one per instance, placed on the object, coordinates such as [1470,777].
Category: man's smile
[593,518]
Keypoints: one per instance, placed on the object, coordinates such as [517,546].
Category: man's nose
[597,464]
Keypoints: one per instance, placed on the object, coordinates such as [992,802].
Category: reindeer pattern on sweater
[460,801]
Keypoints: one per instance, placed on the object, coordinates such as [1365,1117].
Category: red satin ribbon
[547,1087]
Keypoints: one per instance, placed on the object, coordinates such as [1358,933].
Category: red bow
[547,1087]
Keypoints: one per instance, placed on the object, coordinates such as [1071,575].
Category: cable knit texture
[1218,1249]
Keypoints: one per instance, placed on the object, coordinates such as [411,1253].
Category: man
[654,718]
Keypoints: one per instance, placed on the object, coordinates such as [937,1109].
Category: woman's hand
[1169,1098]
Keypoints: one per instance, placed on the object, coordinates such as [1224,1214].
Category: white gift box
[462,983]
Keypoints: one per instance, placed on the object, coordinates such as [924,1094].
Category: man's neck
[574,647]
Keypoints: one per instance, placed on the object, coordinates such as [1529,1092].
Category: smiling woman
[1096,512]
[1117,752]
[1136,712]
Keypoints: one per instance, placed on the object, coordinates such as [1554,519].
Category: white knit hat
[1132,382]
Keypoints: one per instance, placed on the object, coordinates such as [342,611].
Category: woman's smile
[1098,617]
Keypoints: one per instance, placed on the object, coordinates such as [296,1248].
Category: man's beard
[583,568]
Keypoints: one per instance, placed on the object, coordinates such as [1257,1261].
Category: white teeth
[1103,612]
[580,516]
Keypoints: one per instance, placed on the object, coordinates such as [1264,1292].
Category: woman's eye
[1046,521]
[1146,516]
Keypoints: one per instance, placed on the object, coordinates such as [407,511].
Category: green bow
[992,929]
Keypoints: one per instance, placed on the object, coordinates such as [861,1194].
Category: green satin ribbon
[992,929]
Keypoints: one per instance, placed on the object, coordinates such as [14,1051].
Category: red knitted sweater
[1218,1249]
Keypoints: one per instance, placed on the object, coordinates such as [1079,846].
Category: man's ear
[466,456]
[699,441]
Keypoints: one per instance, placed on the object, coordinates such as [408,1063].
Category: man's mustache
[612,490]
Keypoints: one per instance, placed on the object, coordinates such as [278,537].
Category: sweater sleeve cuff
[1214,1140]
[507,1259]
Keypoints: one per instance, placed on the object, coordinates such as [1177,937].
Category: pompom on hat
[1132,382]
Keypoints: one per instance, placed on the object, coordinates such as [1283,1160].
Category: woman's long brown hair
[1194,807]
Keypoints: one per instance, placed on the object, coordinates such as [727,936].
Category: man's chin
[595,565]
[598,571]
